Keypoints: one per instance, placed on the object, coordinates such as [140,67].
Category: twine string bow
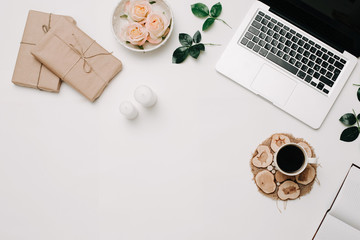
[46,28]
[80,51]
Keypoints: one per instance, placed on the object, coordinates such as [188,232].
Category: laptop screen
[336,22]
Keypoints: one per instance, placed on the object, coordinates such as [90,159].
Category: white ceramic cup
[306,161]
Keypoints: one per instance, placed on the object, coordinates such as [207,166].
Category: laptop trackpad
[273,85]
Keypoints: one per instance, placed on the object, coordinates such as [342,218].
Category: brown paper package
[77,59]
[28,71]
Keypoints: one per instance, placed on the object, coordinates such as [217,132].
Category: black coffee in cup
[290,158]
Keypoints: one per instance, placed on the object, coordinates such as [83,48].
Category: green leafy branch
[202,11]
[188,48]
[349,119]
[352,132]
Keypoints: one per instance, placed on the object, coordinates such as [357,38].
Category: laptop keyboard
[309,61]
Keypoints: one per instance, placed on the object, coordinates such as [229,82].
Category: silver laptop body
[286,65]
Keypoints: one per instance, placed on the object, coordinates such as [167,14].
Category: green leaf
[216,10]
[152,2]
[185,39]
[180,54]
[348,119]
[141,47]
[200,46]
[197,37]
[200,10]
[358,94]
[350,134]
[358,117]
[208,23]
[124,16]
[194,51]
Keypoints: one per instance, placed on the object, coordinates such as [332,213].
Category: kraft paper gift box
[28,71]
[77,59]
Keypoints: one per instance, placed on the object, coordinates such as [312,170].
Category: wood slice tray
[271,182]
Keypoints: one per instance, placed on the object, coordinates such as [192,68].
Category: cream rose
[136,34]
[157,25]
[138,10]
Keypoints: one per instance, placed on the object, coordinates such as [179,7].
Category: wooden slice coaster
[271,182]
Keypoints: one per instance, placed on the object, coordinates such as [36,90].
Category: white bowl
[118,24]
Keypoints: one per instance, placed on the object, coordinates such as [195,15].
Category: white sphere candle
[128,110]
[145,96]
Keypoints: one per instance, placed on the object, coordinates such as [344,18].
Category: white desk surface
[70,169]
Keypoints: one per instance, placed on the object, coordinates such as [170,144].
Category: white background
[71,169]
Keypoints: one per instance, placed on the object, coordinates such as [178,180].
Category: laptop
[297,54]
